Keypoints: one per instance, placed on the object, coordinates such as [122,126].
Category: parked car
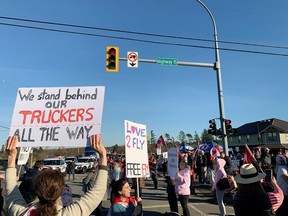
[83,164]
[70,159]
[55,164]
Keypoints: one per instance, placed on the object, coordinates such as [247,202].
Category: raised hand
[10,147]
[96,144]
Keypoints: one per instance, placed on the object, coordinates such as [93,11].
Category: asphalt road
[155,200]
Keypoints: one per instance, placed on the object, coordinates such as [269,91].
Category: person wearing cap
[282,180]
[251,198]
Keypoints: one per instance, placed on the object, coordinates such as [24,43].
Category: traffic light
[228,126]
[112,59]
[212,126]
[219,133]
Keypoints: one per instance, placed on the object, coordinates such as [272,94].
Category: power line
[141,33]
[7,86]
[1,126]
[144,41]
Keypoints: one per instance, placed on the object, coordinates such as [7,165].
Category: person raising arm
[49,186]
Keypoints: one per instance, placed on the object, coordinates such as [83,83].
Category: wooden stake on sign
[19,171]
[137,187]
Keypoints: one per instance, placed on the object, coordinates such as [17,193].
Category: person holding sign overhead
[49,185]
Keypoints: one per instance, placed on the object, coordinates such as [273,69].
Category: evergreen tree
[206,137]
[181,136]
[189,138]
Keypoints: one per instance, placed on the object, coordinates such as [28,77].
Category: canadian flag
[214,152]
[160,142]
[248,156]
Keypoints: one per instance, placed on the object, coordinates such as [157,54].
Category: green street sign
[167,61]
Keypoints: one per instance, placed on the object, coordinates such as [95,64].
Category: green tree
[169,141]
[189,138]
[115,148]
[181,136]
[167,136]
[197,137]
[206,137]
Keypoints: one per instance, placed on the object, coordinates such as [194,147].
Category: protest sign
[172,162]
[136,153]
[23,155]
[165,155]
[58,116]
[158,151]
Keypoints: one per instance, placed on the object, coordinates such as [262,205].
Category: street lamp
[217,67]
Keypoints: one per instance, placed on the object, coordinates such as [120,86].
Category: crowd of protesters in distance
[44,191]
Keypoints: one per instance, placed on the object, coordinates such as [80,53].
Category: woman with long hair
[49,184]
[123,203]
[251,198]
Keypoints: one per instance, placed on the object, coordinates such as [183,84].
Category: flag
[193,152]
[160,142]
[214,152]
[248,156]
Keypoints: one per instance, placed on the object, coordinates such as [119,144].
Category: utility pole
[216,66]
[219,82]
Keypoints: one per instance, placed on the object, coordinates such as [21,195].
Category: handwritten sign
[136,150]
[23,155]
[58,116]
[172,166]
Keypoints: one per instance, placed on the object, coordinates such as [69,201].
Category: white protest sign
[23,155]
[165,155]
[158,151]
[172,162]
[136,152]
[58,116]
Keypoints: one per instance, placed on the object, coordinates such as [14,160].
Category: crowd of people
[44,192]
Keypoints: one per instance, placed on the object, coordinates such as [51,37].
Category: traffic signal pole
[217,67]
[219,82]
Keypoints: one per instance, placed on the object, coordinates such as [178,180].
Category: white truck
[83,164]
[55,164]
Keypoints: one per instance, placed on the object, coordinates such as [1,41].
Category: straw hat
[248,174]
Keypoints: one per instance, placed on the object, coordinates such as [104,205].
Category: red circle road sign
[132,57]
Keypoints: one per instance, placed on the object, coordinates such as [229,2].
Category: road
[155,200]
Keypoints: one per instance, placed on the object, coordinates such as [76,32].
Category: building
[271,133]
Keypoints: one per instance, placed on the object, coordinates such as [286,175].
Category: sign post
[132,59]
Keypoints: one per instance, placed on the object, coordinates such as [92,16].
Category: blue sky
[167,99]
